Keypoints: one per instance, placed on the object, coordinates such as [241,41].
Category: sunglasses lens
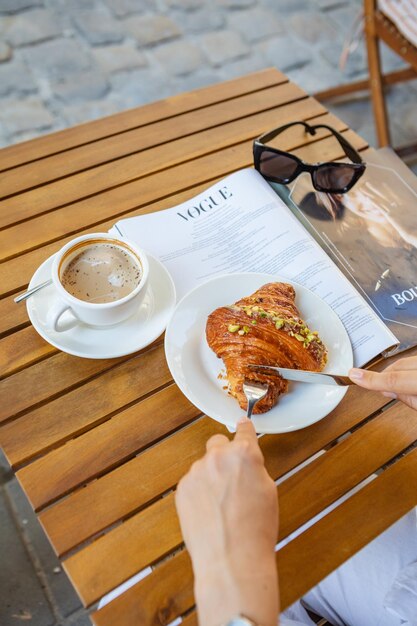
[334,178]
[277,166]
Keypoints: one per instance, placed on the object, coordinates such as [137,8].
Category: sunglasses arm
[311,130]
[348,149]
[280,129]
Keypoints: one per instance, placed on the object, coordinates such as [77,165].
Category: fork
[253,393]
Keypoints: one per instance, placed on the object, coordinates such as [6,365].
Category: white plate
[133,334]
[195,368]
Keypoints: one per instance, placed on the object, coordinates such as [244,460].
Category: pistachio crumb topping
[293,326]
[240,330]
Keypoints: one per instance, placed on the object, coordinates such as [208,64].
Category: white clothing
[376,587]
[295,615]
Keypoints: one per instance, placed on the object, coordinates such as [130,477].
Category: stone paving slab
[70,62]
[22,596]
[34,587]
[60,591]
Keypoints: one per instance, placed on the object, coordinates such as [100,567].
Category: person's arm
[228,510]
[398,380]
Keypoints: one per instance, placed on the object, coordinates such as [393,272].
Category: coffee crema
[102,272]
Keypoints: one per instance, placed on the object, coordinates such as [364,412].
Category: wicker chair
[379,26]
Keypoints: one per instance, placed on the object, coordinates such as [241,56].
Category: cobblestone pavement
[63,62]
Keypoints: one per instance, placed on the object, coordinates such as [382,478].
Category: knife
[304,376]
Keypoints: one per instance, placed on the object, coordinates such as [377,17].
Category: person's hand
[228,510]
[398,380]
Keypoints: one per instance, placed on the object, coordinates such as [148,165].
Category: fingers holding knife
[398,380]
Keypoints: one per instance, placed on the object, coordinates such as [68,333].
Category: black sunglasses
[283,167]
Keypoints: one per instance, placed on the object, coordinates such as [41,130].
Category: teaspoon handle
[30,292]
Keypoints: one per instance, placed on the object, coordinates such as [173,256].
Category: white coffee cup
[100,314]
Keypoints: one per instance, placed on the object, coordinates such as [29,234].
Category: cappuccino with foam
[100,272]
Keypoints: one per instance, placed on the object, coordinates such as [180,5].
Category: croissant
[264,329]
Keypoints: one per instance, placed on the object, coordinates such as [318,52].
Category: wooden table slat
[142,479]
[316,553]
[40,492]
[187,128]
[61,371]
[137,543]
[156,600]
[44,199]
[130,547]
[15,155]
[309,491]
[78,410]
[22,349]
[48,379]
[301,563]
[16,273]
[93,210]
[190,619]
[166,462]
[118,439]
[12,317]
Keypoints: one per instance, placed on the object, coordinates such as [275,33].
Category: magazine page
[371,234]
[241,225]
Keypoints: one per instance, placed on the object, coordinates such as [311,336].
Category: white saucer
[137,332]
[198,372]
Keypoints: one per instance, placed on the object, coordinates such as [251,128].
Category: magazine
[241,224]
[371,235]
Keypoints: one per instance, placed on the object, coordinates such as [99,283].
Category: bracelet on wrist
[240,620]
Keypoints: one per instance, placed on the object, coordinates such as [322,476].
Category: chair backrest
[395,23]
[403,14]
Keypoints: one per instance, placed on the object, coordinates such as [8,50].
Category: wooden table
[99,446]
